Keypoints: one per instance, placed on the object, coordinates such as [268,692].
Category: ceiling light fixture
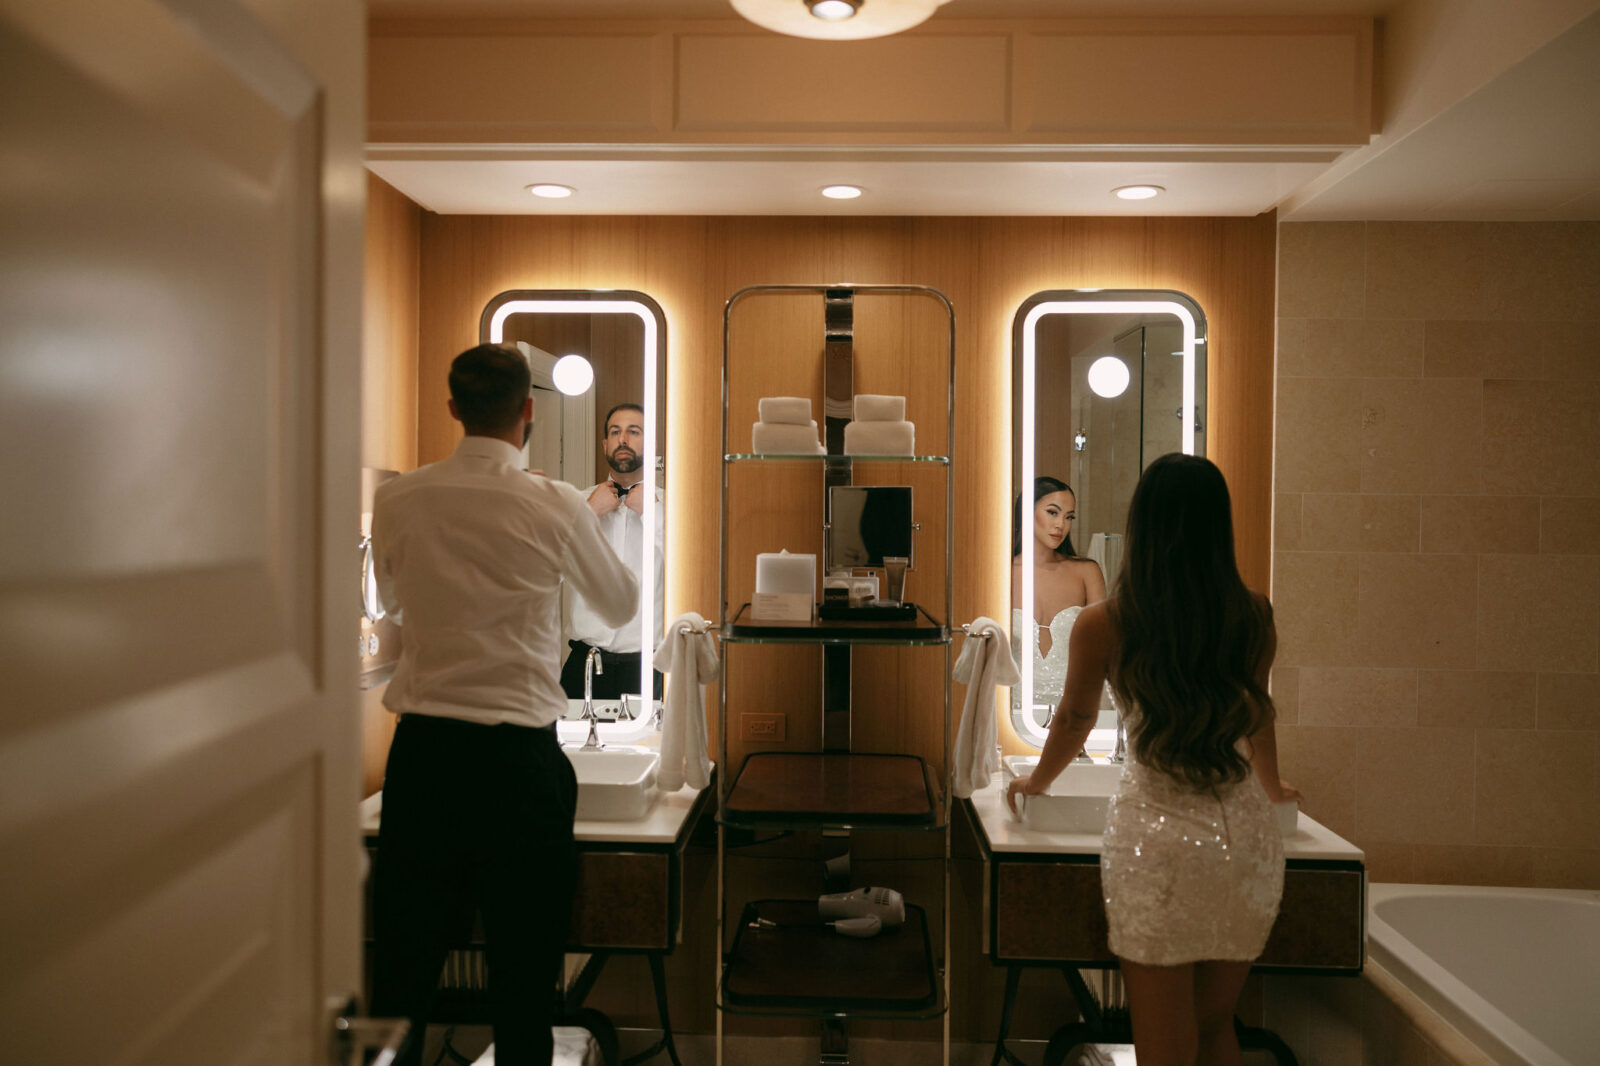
[833,10]
[837,20]
[1109,377]
[551,192]
[1138,192]
[841,192]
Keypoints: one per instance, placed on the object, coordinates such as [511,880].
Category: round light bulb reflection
[572,374]
[1108,376]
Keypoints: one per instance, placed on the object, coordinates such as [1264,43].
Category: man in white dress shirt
[618,502]
[478,799]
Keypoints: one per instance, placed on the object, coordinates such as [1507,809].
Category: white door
[180,258]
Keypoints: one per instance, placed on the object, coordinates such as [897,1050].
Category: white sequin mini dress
[1189,876]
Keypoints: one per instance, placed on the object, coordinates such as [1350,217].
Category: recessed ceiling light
[833,10]
[841,192]
[551,192]
[1138,192]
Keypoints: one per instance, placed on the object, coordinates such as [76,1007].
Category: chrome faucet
[592,664]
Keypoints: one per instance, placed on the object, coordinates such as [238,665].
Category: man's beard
[623,465]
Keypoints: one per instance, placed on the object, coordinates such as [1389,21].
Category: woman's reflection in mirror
[1064,582]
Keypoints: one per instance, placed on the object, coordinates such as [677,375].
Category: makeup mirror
[589,352]
[1104,381]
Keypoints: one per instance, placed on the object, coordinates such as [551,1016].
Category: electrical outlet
[763,727]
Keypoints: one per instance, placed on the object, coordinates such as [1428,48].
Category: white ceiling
[1525,145]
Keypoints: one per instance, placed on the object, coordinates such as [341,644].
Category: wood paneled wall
[986,266]
[389,313]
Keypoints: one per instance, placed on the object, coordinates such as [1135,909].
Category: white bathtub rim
[1485,1025]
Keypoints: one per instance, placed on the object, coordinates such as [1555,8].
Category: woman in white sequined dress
[1063,583]
[1192,863]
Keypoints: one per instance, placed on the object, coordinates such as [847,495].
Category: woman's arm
[1264,741]
[1094,582]
[1088,656]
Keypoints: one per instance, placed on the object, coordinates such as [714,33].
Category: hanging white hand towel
[984,663]
[689,659]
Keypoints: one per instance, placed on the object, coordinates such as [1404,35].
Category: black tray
[803,964]
[917,628]
[871,612]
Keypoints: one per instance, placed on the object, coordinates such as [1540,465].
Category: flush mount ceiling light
[551,192]
[837,20]
[833,10]
[841,192]
[1138,192]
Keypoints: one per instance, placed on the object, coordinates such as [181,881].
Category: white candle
[783,572]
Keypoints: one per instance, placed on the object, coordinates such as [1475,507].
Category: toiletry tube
[786,573]
[784,410]
[870,407]
[894,578]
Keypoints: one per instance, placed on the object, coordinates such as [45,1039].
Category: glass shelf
[745,457]
[798,790]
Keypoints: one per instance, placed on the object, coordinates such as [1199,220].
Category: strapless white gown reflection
[1189,875]
[1049,670]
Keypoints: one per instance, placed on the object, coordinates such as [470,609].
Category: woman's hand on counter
[1284,793]
[1017,786]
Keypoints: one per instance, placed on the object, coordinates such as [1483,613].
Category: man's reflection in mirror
[618,502]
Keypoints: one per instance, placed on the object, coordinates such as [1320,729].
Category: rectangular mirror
[598,359]
[868,522]
[1104,382]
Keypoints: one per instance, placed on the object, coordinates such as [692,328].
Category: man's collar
[490,448]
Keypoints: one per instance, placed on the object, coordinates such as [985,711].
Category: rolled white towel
[779,439]
[785,410]
[871,408]
[880,438]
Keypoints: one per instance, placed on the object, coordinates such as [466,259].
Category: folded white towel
[872,408]
[785,410]
[776,438]
[689,659]
[880,438]
[984,663]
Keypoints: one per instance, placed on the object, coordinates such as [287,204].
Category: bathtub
[1517,971]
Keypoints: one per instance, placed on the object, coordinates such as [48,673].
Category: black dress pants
[475,816]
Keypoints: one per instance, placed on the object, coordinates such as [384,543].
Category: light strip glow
[1030,326]
[647,576]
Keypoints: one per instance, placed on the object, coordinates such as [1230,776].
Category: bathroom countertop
[1007,835]
[659,828]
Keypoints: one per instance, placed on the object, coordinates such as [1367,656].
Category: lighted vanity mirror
[1103,382]
[598,358]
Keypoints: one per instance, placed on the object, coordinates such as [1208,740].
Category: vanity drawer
[1052,912]
[625,899]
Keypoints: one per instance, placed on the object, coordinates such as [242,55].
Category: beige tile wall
[1436,544]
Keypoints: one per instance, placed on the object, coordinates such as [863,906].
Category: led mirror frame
[1026,324]
[491,330]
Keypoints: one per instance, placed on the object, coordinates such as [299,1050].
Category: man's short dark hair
[626,405]
[489,384]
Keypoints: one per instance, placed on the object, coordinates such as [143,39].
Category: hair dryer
[885,904]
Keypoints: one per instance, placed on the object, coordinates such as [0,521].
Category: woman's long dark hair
[1042,487]
[1192,633]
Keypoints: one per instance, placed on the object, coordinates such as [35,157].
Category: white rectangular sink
[1079,798]
[615,785]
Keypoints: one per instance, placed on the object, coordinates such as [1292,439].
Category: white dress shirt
[471,552]
[624,531]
